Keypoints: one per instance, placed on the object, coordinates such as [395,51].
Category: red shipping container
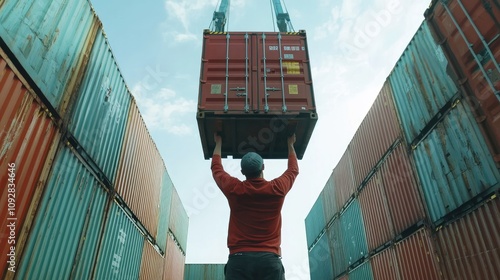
[401,190]
[152,263]
[256,89]
[385,265]
[343,180]
[175,261]
[417,258]
[470,246]
[28,141]
[378,224]
[468,31]
[378,131]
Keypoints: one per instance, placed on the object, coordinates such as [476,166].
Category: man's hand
[218,144]
[291,141]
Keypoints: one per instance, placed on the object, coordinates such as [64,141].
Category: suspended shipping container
[384,265]
[329,201]
[204,271]
[375,135]
[99,116]
[401,190]
[28,141]
[417,258]
[315,221]
[255,89]
[64,238]
[454,164]
[175,261]
[336,243]
[152,263]
[50,39]
[179,221]
[470,246]
[422,88]
[362,272]
[343,180]
[376,217]
[140,172]
[120,247]
[353,233]
[469,33]
[320,260]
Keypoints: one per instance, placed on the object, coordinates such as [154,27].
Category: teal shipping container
[49,38]
[336,243]
[353,233]
[362,272]
[329,201]
[420,83]
[65,235]
[454,163]
[315,220]
[164,213]
[99,116]
[320,260]
[179,220]
[120,249]
[204,271]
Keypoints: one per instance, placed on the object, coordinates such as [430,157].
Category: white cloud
[163,110]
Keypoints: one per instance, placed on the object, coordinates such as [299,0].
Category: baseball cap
[251,163]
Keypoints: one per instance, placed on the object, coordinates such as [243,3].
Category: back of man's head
[252,165]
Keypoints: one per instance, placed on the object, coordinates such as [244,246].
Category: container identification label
[293,89]
[216,89]
[292,67]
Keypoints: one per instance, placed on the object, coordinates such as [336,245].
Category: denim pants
[254,266]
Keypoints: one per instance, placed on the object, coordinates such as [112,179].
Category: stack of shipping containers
[88,193]
[204,271]
[415,194]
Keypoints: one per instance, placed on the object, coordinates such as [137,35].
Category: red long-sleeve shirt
[255,219]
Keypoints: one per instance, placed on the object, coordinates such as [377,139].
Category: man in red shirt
[254,236]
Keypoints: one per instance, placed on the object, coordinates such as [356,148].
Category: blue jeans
[254,266]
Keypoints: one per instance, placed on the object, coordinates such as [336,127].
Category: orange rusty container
[256,89]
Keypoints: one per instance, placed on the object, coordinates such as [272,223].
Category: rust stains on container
[401,190]
[469,34]
[378,224]
[28,140]
[174,261]
[470,246]
[255,88]
[151,263]
[417,258]
[385,265]
[375,135]
[343,179]
[140,173]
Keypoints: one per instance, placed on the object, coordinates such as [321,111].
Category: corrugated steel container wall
[151,263]
[416,257]
[179,220]
[320,260]
[120,247]
[384,265]
[140,172]
[336,243]
[99,116]
[28,139]
[375,135]
[401,190]
[362,272]
[483,17]
[65,235]
[343,179]
[470,246]
[454,163]
[376,217]
[49,39]
[329,201]
[175,261]
[353,233]
[164,214]
[315,220]
[266,77]
[204,271]
[420,83]
[344,277]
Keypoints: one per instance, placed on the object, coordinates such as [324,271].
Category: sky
[353,46]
